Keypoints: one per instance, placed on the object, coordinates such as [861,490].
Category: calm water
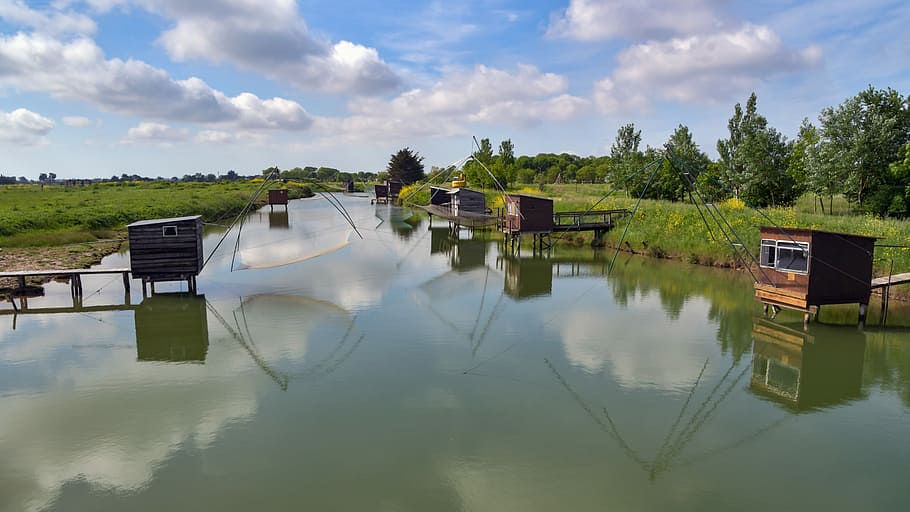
[412,371]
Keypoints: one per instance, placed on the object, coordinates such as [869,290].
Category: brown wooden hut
[804,269]
[528,214]
[278,196]
[465,200]
[172,327]
[394,188]
[382,193]
[166,250]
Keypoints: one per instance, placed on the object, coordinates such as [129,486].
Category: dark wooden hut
[804,269]
[278,196]
[382,193]
[348,186]
[394,188]
[439,196]
[166,250]
[465,200]
[528,214]
[172,327]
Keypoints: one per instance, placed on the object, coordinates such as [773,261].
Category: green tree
[406,166]
[626,157]
[860,138]
[684,157]
[755,158]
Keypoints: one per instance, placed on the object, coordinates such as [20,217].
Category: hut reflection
[464,253]
[528,277]
[279,220]
[806,371]
[172,328]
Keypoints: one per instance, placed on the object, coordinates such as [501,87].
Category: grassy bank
[35,215]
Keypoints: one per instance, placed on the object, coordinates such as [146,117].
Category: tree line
[859,149]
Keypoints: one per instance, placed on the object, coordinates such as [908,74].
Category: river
[410,370]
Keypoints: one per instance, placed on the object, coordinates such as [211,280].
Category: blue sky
[96,88]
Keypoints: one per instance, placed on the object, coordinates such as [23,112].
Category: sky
[97,88]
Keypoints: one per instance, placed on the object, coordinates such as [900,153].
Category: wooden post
[862,315]
[126,282]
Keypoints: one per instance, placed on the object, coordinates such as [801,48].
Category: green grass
[32,215]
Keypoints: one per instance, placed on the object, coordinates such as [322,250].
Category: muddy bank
[51,258]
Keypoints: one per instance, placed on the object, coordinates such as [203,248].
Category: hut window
[169,231]
[768,253]
[792,257]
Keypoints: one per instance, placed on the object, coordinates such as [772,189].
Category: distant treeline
[860,150]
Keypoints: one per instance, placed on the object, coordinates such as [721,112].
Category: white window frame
[169,231]
[787,245]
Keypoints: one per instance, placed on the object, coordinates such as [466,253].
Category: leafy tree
[685,157]
[507,152]
[406,166]
[627,158]
[755,158]
[860,138]
[329,174]
[42,177]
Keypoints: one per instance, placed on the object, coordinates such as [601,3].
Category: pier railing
[588,218]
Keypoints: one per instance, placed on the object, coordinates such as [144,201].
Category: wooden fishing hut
[526,214]
[348,186]
[394,188]
[382,192]
[172,328]
[804,371]
[166,250]
[804,269]
[462,207]
[278,196]
[439,196]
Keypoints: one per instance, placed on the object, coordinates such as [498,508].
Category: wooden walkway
[74,275]
[599,221]
[881,282]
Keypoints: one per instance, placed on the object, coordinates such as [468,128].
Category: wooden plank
[881,282]
[779,299]
[81,271]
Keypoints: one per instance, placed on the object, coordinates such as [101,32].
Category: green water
[412,371]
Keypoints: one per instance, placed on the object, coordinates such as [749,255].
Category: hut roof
[807,231]
[160,221]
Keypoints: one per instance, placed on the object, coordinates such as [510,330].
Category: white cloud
[271,38]
[522,98]
[78,71]
[51,20]
[77,121]
[597,20]
[24,127]
[698,68]
[156,132]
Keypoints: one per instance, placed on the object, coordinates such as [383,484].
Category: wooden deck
[881,282]
[594,220]
[74,275]
[466,219]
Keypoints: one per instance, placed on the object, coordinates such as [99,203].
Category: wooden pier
[882,282]
[74,275]
[598,221]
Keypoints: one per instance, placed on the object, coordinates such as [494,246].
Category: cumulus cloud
[24,127]
[524,97]
[78,71]
[597,20]
[51,20]
[268,37]
[702,67]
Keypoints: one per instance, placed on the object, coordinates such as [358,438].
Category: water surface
[414,370]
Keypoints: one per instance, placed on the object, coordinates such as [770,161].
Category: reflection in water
[172,327]
[279,220]
[464,253]
[528,277]
[807,370]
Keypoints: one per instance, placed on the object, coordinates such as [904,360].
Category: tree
[754,160]
[861,137]
[406,166]
[42,177]
[627,158]
[507,152]
[685,157]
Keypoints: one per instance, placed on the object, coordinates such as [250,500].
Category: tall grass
[34,215]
